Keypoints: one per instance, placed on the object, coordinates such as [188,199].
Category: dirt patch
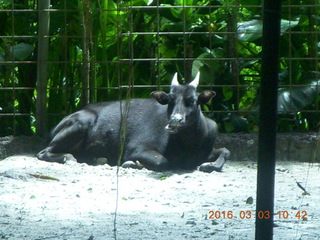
[40,200]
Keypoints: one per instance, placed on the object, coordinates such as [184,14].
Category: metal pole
[268,118]
[42,66]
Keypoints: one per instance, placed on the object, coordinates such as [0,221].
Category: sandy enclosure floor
[40,200]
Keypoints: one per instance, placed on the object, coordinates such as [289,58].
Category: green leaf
[169,13]
[163,178]
[176,12]
[239,123]
[285,25]
[141,2]
[227,93]
[205,59]
[183,2]
[250,2]
[5,3]
[297,98]
[1,56]
[22,51]
[252,30]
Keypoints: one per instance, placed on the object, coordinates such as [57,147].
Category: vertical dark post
[268,117]
[42,66]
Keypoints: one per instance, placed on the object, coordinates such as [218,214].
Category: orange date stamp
[260,215]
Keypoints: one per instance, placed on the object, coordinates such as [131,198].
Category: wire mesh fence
[105,50]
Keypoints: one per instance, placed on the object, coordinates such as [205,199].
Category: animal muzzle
[175,123]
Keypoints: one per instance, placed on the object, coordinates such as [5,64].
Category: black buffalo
[168,131]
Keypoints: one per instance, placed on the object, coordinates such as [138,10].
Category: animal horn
[175,80]
[195,82]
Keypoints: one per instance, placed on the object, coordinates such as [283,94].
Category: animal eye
[190,101]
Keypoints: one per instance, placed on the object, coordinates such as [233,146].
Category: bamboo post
[87,81]
[42,67]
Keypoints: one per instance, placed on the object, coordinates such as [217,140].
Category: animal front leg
[151,159]
[47,155]
[132,164]
[216,160]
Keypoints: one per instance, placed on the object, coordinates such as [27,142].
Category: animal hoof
[69,159]
[132,164]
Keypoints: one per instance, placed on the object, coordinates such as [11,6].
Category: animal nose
[176,119]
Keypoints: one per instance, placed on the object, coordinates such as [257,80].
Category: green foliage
[102,44]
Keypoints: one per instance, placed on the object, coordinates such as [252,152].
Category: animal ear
[205,97]
[160,96]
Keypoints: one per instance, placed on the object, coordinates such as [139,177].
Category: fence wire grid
[57,56]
